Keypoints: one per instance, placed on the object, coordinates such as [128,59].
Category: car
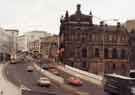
[13,61]
[43,81]
[74,81]
[45,66]
[55,71]
[30,68]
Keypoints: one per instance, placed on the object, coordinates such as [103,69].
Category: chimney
[118,24]
[101,23]
[66,15]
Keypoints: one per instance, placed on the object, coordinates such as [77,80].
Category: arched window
[84,52]
[106,53]
[114,53]
[96,52]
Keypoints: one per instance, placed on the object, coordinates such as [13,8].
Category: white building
[28,37]
[4,44]
[12,33]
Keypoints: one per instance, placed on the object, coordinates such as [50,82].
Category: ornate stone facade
[95,48]
[132,49]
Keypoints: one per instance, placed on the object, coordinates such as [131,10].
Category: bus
[119,85]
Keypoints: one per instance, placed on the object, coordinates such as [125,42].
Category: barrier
[98,80]
[49,75]
[97,77]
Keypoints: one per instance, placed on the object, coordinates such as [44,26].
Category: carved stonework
[132,48]
[85,43]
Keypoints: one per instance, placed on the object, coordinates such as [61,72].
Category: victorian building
[47,46]
[95,48]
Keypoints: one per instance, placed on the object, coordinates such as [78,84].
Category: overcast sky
[27,15]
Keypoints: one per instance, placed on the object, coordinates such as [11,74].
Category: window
[93,37]
[113,66]
[106,53]
[96,52]
[90,37]
[110,37]
[84,52]
[114,53]
[84,65]
[123,54]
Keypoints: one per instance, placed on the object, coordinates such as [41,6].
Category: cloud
[45,14]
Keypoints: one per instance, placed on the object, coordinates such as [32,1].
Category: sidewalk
[7,87]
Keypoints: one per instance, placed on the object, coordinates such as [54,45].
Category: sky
[28,15]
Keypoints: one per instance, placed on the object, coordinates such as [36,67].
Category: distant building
[47,46]
[28,37]
[95,48]
[13,34]
[7,43]
[130,25]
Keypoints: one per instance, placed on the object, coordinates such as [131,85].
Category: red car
[74,81]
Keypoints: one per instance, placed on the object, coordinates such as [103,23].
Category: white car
[43,81]
[29,68]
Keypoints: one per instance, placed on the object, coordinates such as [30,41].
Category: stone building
[24,40]
[47,46]
[13,34]
[95,48]
[132,49]
[130,25]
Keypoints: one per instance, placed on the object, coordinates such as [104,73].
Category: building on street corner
[28,37]
[47,46]
[94,48]
[13,34]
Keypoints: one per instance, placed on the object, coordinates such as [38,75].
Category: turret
[78,11]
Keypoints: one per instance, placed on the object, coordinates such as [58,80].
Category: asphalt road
[87,87]
[90,88]
[18,74]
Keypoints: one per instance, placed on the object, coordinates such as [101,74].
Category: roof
[78,16]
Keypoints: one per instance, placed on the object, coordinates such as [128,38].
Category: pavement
[7,87]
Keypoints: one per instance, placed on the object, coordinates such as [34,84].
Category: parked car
[74,81]
[45,66]
[30,68]
[43,81]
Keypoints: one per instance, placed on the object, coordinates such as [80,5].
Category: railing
[49,75]
[95,79]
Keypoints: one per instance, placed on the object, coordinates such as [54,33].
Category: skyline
[45,14]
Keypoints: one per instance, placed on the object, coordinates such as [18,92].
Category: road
[7,87]
[19,74]
[87,87]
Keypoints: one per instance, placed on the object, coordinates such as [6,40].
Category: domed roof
[78,16]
